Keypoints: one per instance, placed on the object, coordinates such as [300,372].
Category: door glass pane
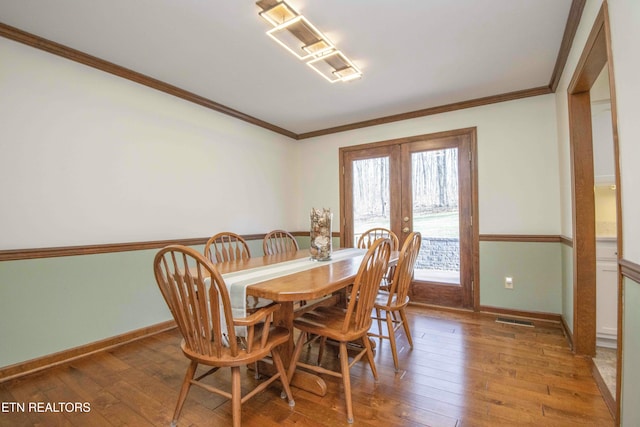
[435,214]
[370,195]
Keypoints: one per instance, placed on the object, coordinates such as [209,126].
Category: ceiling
[414,54]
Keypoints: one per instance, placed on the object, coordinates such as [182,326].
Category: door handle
[405,230]
[405,219]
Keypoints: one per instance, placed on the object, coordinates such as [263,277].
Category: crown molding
[493,99]
[58,49]
[573,20]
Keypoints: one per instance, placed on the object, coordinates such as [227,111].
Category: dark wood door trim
[596,54]
[462,296]
[469,298]
[346,158]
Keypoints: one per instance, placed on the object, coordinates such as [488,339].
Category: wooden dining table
[321,279]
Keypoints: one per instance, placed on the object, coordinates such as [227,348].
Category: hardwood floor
[464,370]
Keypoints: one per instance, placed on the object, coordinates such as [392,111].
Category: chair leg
[372,363]
[284,379]
[346,380]
[296,356]
[392,339]
[323,342]
[236,396]
[256,371]
[405,324]
[378,318]
[186,384]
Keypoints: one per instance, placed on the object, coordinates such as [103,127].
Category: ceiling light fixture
[296,34]
[335,67]
[301,38]
[278,13]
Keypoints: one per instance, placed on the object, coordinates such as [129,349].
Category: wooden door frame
[369,151]
[596,54]
[475,240]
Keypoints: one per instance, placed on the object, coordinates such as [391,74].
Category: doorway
[425,183]
[595,56]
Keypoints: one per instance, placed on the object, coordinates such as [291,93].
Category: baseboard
[567,333]
[607,341]
[440,307]
[604,390]
[484,310]
[535,315]
[48,361]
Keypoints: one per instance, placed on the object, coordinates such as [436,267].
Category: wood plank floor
[464,370]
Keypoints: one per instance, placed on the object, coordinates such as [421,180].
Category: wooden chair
[279,241]
[366,240]
[226,246]
[199,302]
[346,325]
[393,301]
[370,236]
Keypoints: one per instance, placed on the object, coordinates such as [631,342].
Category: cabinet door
[607,299]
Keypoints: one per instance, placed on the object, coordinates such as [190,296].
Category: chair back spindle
[225,247]
[370,236]
[403,274]
[279,241]
[185,292]
[366,285]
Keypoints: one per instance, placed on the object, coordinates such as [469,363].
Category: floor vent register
[516,322]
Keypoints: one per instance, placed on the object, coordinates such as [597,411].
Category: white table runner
[238,281]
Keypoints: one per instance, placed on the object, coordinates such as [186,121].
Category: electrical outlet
[508,282]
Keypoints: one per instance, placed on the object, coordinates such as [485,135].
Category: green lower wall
[630,410]
[536,269]
[567,286]
[54,304]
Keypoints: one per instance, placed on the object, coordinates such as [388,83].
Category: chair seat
[254,303]
[277,336]
[382,301]
[329,322]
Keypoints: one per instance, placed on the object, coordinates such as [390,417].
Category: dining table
[290,278]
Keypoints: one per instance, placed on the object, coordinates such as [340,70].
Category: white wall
[517,163]
[625,34]
[624,16]
[586,23]
[90,158]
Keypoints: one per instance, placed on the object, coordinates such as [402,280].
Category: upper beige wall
[624,16]
[517,163]
[89,158]
[588,17]
[625,34]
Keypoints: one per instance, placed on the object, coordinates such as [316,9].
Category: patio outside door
[420,184]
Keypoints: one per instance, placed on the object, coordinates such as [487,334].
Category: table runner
[238,281]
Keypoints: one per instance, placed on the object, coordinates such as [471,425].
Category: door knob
[405,219]
[405,230]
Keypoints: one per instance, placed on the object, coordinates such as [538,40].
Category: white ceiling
[414,54]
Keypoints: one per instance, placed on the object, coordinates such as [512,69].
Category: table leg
[284,318]
[301,379]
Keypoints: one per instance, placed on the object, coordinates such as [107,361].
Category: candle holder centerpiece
[320,248]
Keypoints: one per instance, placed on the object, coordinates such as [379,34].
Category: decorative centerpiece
[320,249]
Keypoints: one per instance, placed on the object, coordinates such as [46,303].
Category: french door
[426,184]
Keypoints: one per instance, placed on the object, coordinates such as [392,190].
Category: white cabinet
[606,292]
